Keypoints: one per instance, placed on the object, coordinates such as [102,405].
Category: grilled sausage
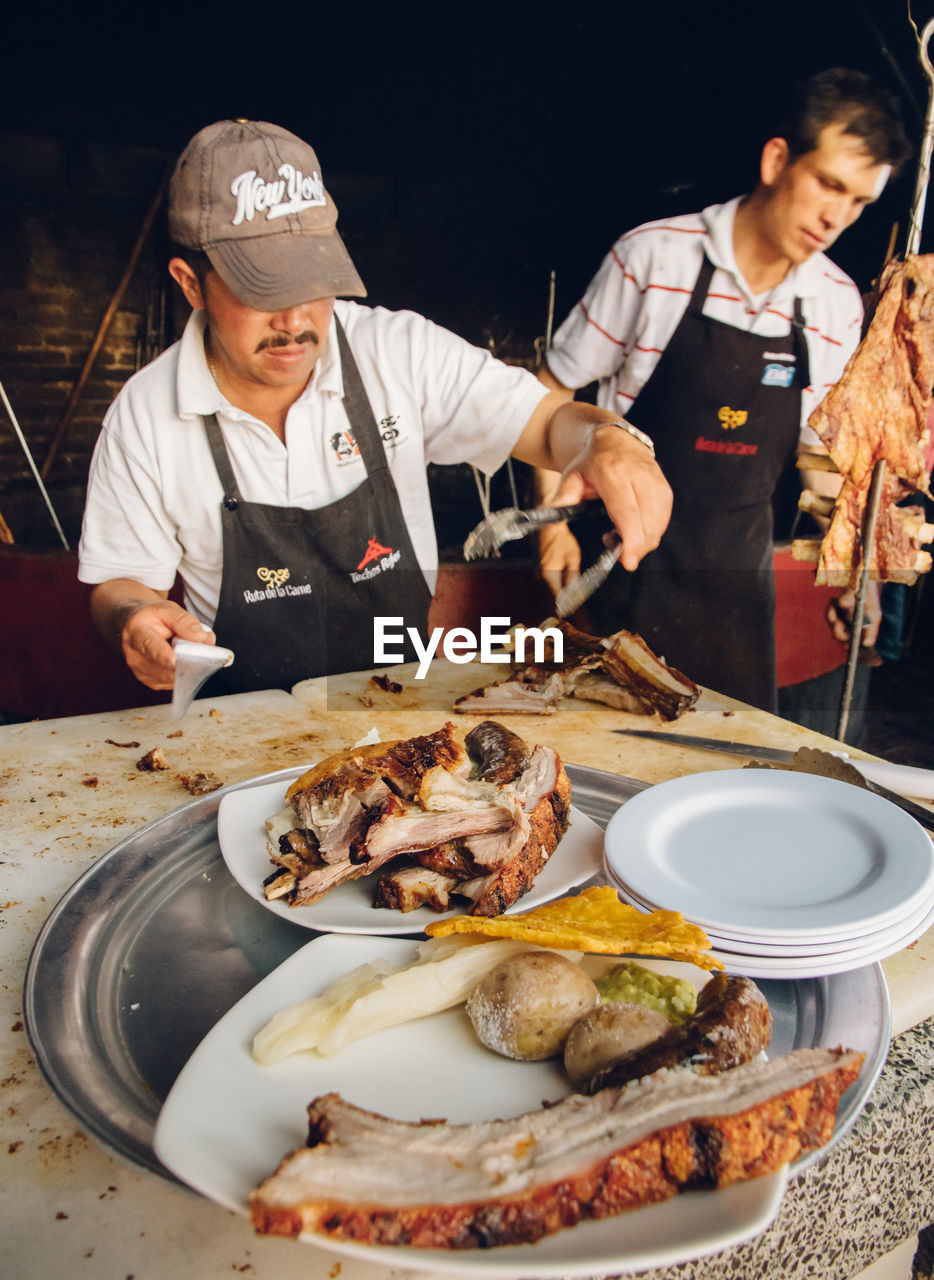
[732,1024]
[502,754]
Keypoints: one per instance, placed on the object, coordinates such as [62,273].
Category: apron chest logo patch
[345,447]
[730,419]
[376,559]
[277,586]
[778,375]
[344,443]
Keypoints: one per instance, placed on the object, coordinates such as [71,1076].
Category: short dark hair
[851,99]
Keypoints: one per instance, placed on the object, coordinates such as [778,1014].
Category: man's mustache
[284,340]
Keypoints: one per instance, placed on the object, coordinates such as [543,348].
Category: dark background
[501,141]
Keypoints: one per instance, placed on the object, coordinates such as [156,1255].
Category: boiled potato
[607,1033]
[526,1005]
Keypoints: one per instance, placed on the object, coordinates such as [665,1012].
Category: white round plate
[819,966]
[768,947]
[759,963]
[756,854]
[241,834]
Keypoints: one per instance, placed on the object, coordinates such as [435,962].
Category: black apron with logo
[300,589]
[723,407]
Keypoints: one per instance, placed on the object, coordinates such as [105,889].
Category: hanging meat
[879,409]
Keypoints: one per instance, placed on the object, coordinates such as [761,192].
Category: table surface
[70,790]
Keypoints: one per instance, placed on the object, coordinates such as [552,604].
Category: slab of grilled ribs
[879,409]
[620,671]
[477,822]
[435,1185]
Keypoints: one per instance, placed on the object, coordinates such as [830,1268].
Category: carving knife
[879,775]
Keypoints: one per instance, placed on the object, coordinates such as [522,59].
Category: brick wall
[70,214]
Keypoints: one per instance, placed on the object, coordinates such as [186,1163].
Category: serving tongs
[512,523]
[194,663]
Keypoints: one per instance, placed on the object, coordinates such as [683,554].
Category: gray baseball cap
[251,196]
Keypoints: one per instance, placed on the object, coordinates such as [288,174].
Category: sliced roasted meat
[408,888]
[544,792]
[596,686]
[631,663]
[413,800]
[318,881]
[405,830]
[620,671]
[436,1185]
[398,765]
[515,696]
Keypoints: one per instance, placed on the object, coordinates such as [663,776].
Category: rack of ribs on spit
[879,410]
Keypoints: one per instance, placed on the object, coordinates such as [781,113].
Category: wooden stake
[75,394]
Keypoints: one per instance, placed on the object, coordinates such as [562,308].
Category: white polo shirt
[617,332]
[153,501]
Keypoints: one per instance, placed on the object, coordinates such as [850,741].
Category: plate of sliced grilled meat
[385,837]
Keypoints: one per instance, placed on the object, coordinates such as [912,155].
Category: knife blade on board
[919,782]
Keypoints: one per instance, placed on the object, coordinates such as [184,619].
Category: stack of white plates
[789,874]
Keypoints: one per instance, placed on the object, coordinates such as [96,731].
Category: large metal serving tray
[156,941]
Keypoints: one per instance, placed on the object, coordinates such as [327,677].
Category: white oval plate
[757,854]
[241,834]
[227,1123]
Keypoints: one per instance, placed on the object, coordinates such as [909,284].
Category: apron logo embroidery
[276,588]
[378,558]
[730,419]
[725,446]
[778,375]
[344,443]
[345,447]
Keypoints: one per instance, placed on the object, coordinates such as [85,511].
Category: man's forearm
[113,602]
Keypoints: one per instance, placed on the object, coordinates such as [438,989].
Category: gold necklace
[210,360]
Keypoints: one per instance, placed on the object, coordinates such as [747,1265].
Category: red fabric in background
[55,664]
[804,645]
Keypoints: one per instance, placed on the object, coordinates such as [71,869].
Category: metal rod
[550,318]
[32,466]
[856,626]
[927,144]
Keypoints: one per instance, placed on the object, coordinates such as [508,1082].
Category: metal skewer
[32,466]
[856,626]
[872,506]
[927,144]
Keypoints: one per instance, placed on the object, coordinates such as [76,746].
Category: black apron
[723,407]
[300,588]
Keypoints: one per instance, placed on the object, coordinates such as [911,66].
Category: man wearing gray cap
[275,457]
